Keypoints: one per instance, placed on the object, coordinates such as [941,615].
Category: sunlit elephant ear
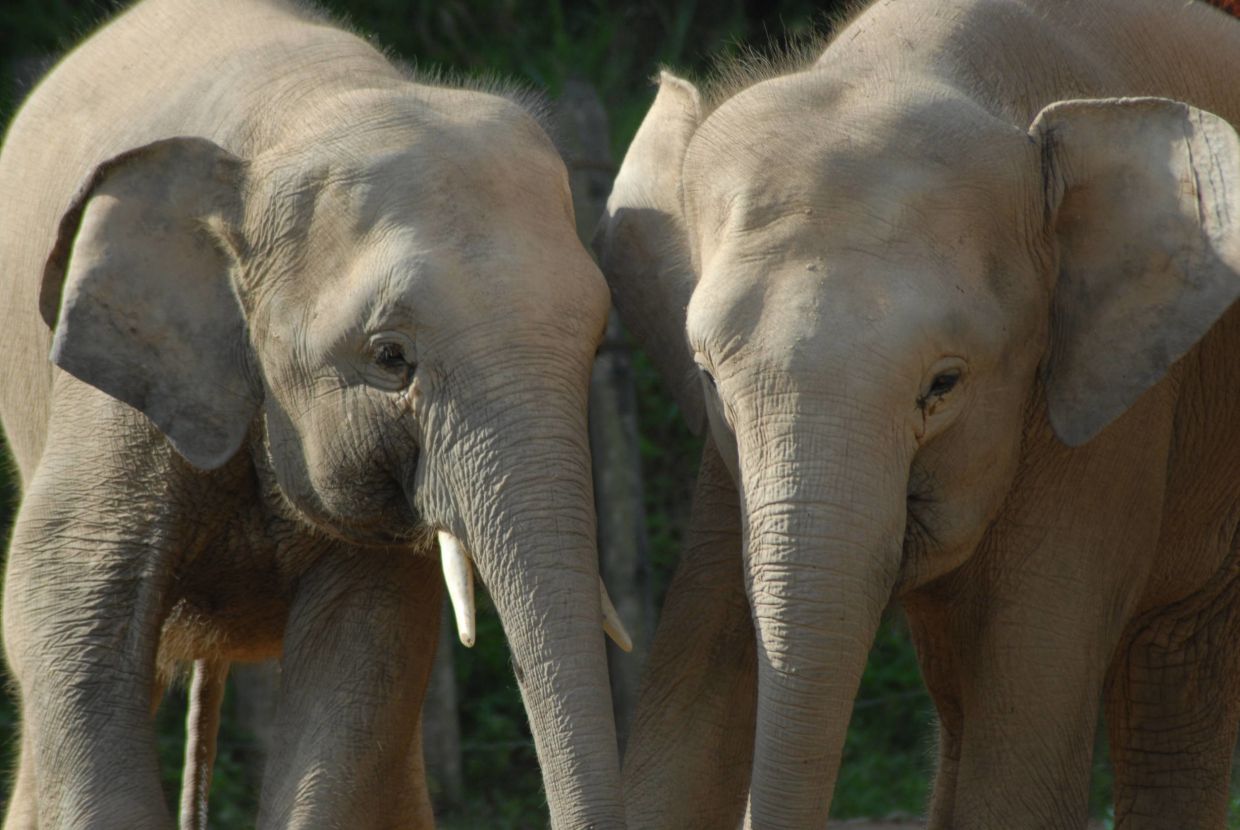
[138,291]
[1143,196]
[643,245]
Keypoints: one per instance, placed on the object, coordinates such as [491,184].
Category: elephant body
[304,313]
[955,300]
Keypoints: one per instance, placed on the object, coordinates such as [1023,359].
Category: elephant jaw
[458,575]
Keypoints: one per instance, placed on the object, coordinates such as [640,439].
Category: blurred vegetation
[617,47]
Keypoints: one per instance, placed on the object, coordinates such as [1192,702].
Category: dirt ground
[899,824]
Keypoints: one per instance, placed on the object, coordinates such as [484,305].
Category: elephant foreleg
[1033,618]
[689,756]
[202,723]
[84,594]
[930,627]
[1030,685]
[358,650]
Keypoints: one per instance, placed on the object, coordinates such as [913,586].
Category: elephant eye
[393,354]
[943,383]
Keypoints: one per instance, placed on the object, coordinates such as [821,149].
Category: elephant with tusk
[954,299]
[278,316]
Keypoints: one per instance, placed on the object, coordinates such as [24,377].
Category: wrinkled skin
[302,312]
[958,321]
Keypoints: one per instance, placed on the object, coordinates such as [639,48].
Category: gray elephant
[304,315]
[954,303]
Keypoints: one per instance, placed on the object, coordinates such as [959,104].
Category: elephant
[288,331]
[952,298]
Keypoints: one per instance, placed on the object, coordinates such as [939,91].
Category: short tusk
[611,620]
[458,573]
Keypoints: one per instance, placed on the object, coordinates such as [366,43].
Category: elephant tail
[202,724]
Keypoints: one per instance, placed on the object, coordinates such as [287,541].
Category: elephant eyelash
[700,359]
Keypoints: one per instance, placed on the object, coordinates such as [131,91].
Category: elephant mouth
[381,537]
[937,539]
[395,525]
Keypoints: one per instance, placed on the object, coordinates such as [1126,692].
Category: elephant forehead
[455,158]
[461,192]
[404,230]
[852,201]
[884,166]
[408,276]
[821,312]
[912,247]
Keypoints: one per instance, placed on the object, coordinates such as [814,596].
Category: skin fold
[303,313]
[953,301]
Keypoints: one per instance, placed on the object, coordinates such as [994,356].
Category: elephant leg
[1031,622]
[946,773]
[1033,618]
[85,592]
[689,756]
[358,650]
[421,809]
[929,627]
[1172,710]
[1029,705]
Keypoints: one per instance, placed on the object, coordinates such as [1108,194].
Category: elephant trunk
[521,487]
[824,520]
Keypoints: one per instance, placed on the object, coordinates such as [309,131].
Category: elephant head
[868,301]
[396,316]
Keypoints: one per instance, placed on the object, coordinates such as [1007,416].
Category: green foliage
[670,456]
[888,760]
[31,31]
[496,743]
[616,46]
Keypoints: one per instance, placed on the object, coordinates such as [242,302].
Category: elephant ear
[643,245]
[139,294]
[1143,197]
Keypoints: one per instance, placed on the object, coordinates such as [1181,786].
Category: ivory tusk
[458,574]
[611,620]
